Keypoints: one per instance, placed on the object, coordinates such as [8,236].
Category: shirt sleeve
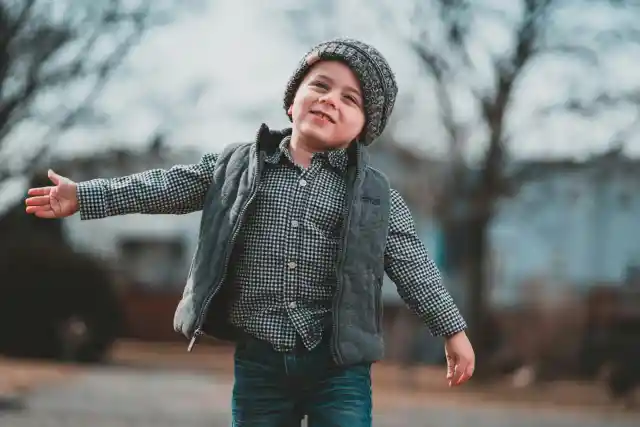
[416,276]
[178,190]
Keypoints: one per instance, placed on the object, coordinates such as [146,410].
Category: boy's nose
[329,99]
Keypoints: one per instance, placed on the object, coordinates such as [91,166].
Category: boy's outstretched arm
[178,190]
[419,283]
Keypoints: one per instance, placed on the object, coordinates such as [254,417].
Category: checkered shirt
[283,266]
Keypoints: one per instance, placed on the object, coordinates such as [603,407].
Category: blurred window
[156,264]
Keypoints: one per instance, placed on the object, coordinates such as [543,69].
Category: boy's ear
[290,110]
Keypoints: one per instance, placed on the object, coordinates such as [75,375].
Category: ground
[154,387]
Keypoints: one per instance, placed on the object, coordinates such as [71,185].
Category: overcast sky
[211,77]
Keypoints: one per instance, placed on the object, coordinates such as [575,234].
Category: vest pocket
[371,216]
[378,310]
[375,292]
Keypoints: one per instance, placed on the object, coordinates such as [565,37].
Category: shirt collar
[337,158]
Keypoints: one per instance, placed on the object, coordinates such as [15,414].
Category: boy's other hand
[56,201]
[461,358]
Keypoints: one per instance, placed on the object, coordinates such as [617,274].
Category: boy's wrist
[455,334]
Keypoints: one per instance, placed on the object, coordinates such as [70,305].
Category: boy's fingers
[458,375]
[463,373]
[470,369]
[451,366]
[463,379]
[37,209]
[41,191]
[54,177]
[38,201]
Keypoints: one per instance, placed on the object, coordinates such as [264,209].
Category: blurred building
[148,254]
[418,180]
[153,250]
[570,224]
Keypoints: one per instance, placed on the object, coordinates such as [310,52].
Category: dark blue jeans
[277,389]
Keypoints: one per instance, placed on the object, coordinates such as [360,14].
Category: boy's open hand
[57,201]
[460,358]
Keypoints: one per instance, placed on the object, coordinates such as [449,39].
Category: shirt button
[294,223]
[291,265]
[293,304]
[303,183]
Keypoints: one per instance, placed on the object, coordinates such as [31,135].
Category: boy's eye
[321,85]
[352,99]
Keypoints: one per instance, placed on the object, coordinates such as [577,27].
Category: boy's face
[328,109]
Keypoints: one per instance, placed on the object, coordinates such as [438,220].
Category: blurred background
[515,140]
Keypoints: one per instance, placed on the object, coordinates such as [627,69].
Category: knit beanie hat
[377,81]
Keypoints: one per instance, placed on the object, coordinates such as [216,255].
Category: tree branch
[33,63]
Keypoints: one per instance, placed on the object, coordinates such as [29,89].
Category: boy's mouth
[323,116]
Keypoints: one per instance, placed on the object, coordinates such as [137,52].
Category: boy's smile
[322,117]
[328,109]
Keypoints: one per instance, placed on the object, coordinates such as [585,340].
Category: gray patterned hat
[377,81]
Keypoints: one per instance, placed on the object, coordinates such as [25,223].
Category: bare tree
[443,39]
[48,47]
[443,36]
[606,102]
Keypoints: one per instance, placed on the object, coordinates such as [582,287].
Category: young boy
[297,231]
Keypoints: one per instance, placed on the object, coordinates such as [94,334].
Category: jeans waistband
[299,348]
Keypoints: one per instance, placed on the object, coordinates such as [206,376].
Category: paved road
[134,398]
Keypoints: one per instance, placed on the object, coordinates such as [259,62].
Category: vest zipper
[337,356]
[198,332]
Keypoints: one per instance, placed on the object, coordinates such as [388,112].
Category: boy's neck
[300,152]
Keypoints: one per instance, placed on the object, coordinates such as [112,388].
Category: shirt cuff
[92,199]
[446,323]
